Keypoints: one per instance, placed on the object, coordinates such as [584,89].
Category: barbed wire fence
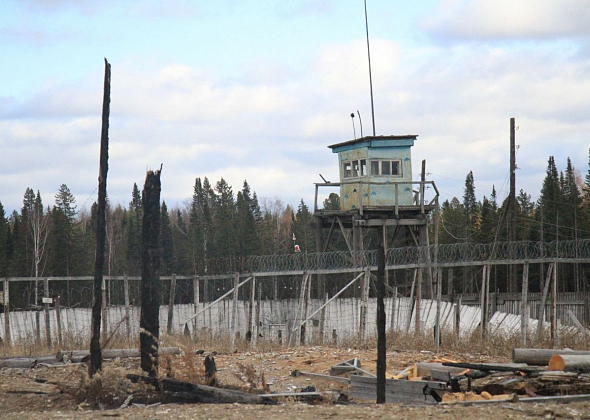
[278,301]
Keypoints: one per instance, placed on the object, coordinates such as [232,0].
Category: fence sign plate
[2,297]
[47,300]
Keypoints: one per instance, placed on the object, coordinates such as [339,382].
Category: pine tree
[469,199]
[549,200]
[134,218]
[166,241]
[62,227]
[225,240]
[246,225]
[4,242]
[302,228]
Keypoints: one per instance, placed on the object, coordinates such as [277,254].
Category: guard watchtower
[376,189]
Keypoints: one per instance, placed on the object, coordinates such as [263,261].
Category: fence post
[554,306]
[251,309]
[524,316]
[364,304]
[104,311]
[171,304]
[38,325]
[58,319]
[484,303]
[7,312]
[46,305]
[437,336]
[196,297]
[256,331]
[127,309]
[393,307]
[458,317]
[234,323]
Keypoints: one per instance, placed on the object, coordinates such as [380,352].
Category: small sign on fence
[47,300]
[2,297]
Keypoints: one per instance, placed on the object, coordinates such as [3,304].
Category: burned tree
[95,351]
[150,274]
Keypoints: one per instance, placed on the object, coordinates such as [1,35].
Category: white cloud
[274,134]
[526,19]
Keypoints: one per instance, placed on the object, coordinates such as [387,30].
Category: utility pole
[512,207]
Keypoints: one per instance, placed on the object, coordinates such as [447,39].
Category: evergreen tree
[332,202]
[133,241]
[469,199]
[4,242]
[62,228]
[549,200]
[166,241]
[302,228]
[246,229]
[225,240]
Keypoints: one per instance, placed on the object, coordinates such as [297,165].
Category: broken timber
[499,367]
[201,393]
[570,363]
[414,392]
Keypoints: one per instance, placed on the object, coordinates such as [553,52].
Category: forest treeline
[217,226]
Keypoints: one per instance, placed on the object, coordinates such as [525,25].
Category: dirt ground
[65,392]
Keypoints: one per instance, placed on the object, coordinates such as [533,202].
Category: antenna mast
[370,74]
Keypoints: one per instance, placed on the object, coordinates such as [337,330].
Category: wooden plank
[171,304]
[234,319]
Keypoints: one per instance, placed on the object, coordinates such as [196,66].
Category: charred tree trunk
[95,352]
[150,274]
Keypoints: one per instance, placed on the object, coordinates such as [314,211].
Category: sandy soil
[23,396]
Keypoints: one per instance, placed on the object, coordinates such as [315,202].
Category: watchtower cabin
[376,189]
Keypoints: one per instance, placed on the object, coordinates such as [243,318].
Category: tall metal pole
[370,73]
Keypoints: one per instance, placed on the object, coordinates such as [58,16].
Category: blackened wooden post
[381,343]
[150,274]
[95,351]
[196,298]
[234,317]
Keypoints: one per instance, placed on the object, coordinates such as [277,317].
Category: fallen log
[496,367]
[28,362]
[541,357]
[425,369]
[320,376]
[201,393]
[76,356]
[570,363]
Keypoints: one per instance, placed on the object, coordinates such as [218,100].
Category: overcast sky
[256,90]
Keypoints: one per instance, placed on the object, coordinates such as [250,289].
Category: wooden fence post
[196,297]
[544,301]
[554,306]
[6,312]
[234,320]
[127,309]
[393,308]
[458,318]
[251,315]
[104,311]
[437,335]
[47,320]
[171,304]
[418,325]
[364,304]
[58,319]
[524,304]
[256,331]
[484,305]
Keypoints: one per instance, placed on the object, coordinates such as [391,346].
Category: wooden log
[28,362]
[95,350]
[541,357]
[127,308]
[496,367]
[76,356]
[58,319]
[425,369]
[234,312]
[570,363]
[46,310]
[149,334]
[208,394]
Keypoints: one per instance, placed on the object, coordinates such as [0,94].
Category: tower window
[354,168]
[383,167]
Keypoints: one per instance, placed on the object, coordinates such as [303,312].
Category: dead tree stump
[150,274]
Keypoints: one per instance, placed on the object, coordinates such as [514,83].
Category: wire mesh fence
[271,308]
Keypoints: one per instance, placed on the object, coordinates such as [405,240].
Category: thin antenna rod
[360,122]
[370,74]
